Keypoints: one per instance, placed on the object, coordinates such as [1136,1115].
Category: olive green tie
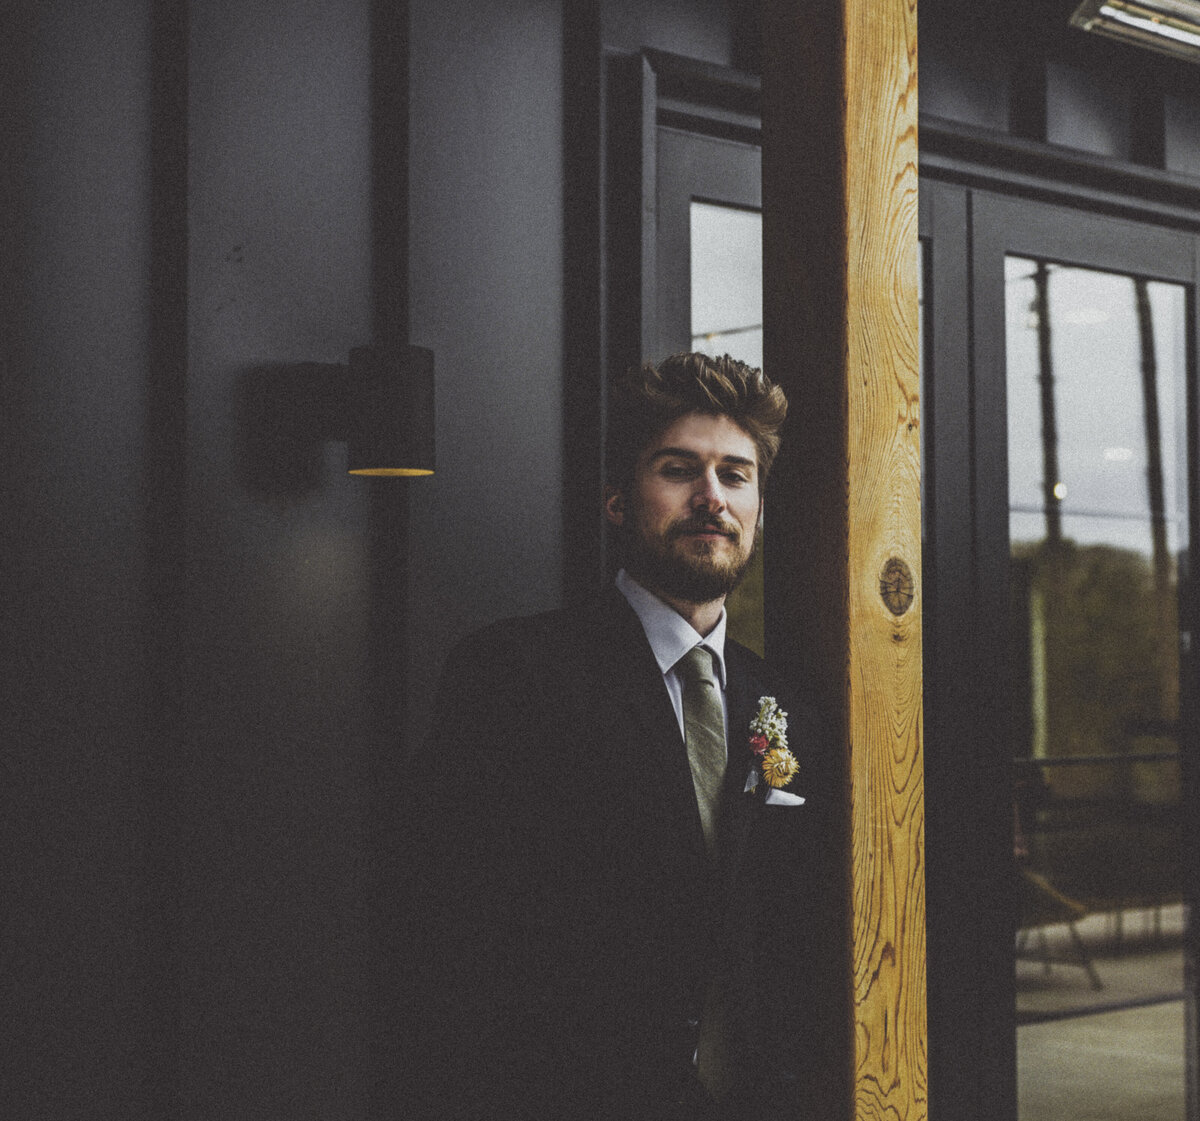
[704,733]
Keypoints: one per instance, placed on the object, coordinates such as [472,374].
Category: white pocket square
[774,797]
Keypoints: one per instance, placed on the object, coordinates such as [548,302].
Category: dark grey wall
[704,29]
[185,738]
[76,345]
[189,759]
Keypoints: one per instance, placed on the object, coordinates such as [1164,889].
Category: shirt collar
[670,635]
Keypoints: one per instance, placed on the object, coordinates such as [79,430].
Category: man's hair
[646,401]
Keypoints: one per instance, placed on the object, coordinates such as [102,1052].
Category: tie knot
[697,666]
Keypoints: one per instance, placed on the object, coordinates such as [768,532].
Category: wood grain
[840,276]
[886,777]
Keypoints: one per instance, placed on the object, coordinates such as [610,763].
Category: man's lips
[704,531]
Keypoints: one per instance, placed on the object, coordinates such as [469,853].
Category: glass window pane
[727,282]
[1097,521]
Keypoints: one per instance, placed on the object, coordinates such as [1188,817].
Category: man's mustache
[705,525]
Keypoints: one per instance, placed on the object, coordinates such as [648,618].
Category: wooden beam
[844,532]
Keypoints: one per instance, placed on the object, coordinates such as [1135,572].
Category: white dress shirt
[671,636]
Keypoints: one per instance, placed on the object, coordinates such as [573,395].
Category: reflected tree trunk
[1048,593]
[1164,596]
[1052,499]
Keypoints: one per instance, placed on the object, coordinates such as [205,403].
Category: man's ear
[614,505]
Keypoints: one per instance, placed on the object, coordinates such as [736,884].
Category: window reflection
[1096,376]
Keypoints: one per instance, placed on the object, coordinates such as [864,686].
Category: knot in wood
[896,586]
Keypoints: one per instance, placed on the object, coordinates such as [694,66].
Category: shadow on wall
[285,414]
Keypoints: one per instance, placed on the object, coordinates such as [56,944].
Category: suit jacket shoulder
[547,666]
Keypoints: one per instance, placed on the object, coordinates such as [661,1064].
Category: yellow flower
[778,766]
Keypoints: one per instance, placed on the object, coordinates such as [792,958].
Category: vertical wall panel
[1088,110]
[485,271]
[964,79]
[75,348]
[1182,139]
[273,934]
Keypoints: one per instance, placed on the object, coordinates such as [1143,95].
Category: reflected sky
[1101,422]
[727,281]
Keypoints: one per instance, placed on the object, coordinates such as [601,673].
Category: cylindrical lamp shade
[391,412]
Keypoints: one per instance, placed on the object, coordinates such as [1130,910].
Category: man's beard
[692,576]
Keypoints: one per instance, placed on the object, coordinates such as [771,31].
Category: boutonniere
[775,766]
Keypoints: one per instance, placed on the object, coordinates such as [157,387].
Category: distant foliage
[1108,651]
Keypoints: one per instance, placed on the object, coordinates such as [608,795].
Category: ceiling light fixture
[1169,26]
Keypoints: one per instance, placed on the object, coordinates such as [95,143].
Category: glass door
[1083,358]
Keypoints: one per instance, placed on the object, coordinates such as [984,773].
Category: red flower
[759,744]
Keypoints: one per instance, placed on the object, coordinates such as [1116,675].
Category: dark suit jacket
[566,916]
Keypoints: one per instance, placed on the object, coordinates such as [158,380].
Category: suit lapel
[649,719]
[741,700]
[661,753]
[640,714]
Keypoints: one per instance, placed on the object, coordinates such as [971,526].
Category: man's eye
[676,471]
[735,478]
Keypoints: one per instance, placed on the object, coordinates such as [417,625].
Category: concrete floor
[1084,1063]
[1110,1066]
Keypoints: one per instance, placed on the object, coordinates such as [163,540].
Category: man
[613,908]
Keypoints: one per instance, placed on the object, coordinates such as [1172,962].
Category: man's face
[693,512]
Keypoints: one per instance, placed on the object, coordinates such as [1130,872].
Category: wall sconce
[1170,26]
[390,412]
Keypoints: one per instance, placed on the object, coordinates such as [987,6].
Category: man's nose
[709,493]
